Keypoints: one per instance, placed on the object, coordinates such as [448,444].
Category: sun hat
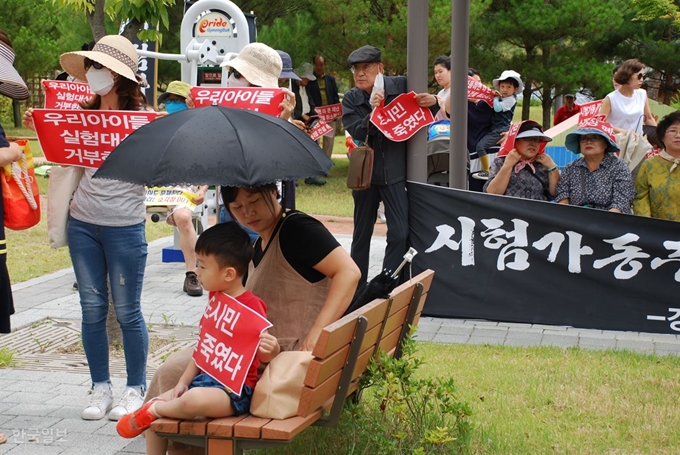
[11,84]
[259,64]
[569,95]
[509,74]
[287,67]
[592,126]
[533,132]
[306,71]
[178,88]
[115,52]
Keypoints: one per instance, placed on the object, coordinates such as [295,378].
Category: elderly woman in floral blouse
[522,168]
[658,181]
[598,179]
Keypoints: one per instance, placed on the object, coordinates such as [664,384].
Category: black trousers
[366,204]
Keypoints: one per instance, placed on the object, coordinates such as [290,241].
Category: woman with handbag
[13,86]
[300,270]
[106,234]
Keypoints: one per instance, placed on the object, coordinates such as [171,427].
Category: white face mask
[101,81]
[237,83]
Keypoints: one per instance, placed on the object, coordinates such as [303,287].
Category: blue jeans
[121,253]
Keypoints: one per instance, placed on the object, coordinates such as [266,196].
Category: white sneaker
[131,400]
[100,402]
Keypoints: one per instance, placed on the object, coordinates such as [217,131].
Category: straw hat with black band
[11,84]
[115,52]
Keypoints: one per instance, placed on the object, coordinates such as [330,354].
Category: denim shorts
[241,404]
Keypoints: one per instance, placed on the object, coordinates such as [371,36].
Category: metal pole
[417,68]
[460,15]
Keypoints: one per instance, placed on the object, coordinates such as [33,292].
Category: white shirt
[628,112]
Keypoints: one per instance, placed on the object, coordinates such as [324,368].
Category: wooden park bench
[341,355]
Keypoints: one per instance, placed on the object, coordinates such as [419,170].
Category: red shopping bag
[20,193]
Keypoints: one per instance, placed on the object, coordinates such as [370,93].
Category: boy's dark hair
[664,124]
[443,60]
[473,72]
[627,69]
[229,244]
[510,80]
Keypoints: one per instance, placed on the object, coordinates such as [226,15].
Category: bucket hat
[259,64]
[592,126]
[178,88]
[509,74]
[287,67]
[11,84]
[306,71]
[115,52]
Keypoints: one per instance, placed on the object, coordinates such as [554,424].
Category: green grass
[7,357]
[334,198]
[549,401]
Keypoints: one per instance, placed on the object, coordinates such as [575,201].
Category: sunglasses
[91,63]
[640,76]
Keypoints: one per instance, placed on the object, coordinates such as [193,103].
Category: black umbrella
[215,145]
[380,286]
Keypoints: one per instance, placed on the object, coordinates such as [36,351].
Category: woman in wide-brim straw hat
[13,86]
[106,234]
[258,65]
[598,179]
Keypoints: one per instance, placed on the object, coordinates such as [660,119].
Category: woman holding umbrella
[106,234]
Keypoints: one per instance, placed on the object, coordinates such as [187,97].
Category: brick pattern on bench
[341,355]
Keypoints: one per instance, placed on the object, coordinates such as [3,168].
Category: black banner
[518,260]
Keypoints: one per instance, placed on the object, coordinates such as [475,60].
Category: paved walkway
[41,400]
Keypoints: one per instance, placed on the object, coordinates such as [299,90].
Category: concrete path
[40,401]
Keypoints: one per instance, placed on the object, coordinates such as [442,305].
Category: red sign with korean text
[402,118]
[479,91]
[329,113]
[590,109]
[320,129]
[229,335]
[65,95]
[265,100]
[84,137]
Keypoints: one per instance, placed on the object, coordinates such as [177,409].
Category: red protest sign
[320,129]
[402,118]
[329,113]
[83,137]
[65,95]
[509,143]
[229,335]
[479,91]
[590,109]
[265,100]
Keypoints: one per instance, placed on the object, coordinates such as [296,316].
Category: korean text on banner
[169,196]
[329,113]
[402,118]
[265,100]
[479,91]
[228,339]
[320,129]
[65,94]
[83,137]
[589,110]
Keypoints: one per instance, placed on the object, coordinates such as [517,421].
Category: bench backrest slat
[336,335]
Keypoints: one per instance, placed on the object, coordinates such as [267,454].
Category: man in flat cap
[388,180]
